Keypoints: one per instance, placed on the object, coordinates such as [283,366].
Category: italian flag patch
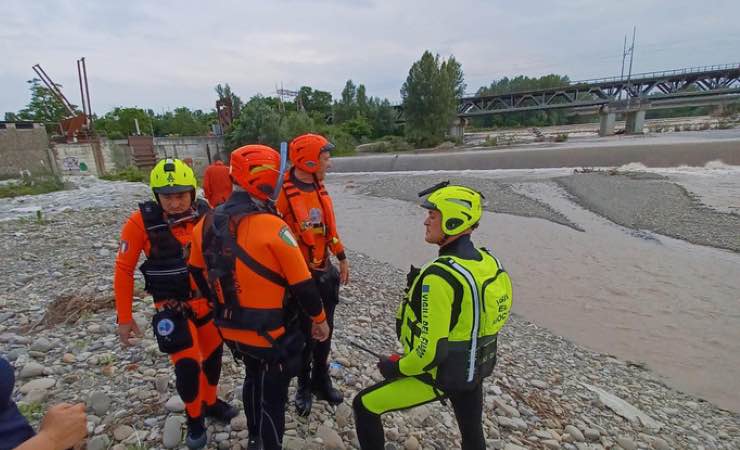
[287,236]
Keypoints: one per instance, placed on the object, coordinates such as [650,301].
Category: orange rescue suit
[267,239]
[217,183]
[308,210]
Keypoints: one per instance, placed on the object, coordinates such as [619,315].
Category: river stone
[99,402]
[332,440]
[411,444]
[575,433]
[31,370]
[100,442]
[122,432]
[172,431]
[41,344]
[41,384]
[175,404]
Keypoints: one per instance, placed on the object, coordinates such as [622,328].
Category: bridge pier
[608,119]
[635,122]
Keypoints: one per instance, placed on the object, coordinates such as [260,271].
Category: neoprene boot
[322,388]
[196,437]
[254,443]
[303,400]
[221,411]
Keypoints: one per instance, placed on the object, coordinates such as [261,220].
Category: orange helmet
[305,150]
[255,168]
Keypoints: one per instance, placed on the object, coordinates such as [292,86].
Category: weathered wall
[75,159]
[23,149]
[195,148]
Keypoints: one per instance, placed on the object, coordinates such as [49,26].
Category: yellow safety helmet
[460,206]
[170,176]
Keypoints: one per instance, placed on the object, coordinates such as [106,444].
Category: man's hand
[344,271]
[128,330]
[64,425]
[320,331]
[388,366]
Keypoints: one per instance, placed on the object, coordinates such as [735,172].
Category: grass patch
[32,185]
[131,173]
[561,137]
[31,411]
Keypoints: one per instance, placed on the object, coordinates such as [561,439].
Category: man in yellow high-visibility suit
[447,322]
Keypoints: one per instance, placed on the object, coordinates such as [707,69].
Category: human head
[311,153]
[453,211]
[173,184]
[255,168]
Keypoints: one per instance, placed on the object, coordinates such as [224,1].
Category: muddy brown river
[662,302]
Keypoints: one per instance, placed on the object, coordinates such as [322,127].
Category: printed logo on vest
[165,327]
[287,237]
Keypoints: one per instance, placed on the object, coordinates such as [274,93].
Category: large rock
[98,442]
[175,404]
[100,402]
[40,384]
[30,370]
[122,432]
[623,408]
[42,345]
[172,431]
[332,440]
[575,433]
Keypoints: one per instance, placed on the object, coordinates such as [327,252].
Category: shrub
[131,173]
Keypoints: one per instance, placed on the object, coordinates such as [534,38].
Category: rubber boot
[221,411]
[196,437]
[303,400]
[322,388]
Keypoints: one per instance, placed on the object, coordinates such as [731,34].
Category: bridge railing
[658,74]
[634,77]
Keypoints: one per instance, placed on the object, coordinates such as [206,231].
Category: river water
[641,297]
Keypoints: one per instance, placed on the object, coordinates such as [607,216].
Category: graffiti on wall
[73,164]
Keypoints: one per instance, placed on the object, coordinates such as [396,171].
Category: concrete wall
[189,147]
[23,149]
[75,159]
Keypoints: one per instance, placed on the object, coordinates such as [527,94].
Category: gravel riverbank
[57,325]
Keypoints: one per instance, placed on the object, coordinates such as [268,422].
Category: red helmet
[255,168]
[304,151]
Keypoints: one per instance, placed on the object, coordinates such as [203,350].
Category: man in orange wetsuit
[216,183]
[307,208]
[183,324]
[257,275]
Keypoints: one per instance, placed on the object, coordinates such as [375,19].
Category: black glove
[388,367]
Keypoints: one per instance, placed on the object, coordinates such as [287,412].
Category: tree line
[430,95]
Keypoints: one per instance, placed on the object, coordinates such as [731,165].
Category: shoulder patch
[287,237]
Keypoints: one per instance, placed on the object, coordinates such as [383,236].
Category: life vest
[480,308]
[165,269]
[303,226]
[220,252]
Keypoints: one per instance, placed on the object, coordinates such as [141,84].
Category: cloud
[172,53]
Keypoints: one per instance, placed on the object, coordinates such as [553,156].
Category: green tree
[44,107]
[121,122]
[258,123]
[314,101]
[224,91]
[346,108]
[430,95]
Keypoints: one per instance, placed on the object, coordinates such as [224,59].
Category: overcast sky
[166,54]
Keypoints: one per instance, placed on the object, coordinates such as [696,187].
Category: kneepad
[187,379]
[212,366]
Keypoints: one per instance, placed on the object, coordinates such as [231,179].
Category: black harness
[220,252]
[165,269]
